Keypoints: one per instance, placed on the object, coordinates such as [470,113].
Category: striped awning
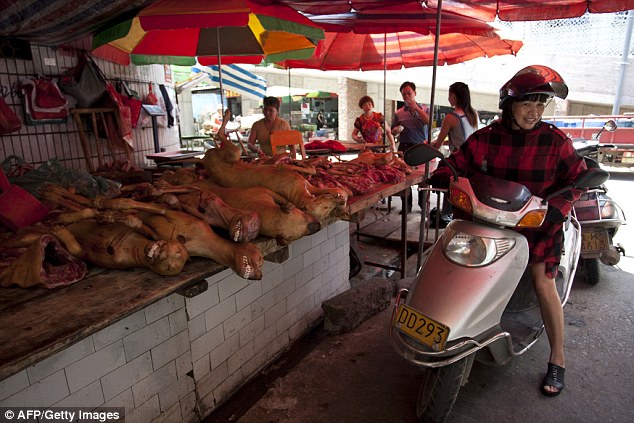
[237,79]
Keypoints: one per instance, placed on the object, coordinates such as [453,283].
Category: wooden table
[402,189]
[173,158]
[190,140]
[351,148]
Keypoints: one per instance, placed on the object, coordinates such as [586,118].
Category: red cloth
[332,145]
[542,159]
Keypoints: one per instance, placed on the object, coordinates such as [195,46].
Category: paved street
[357,377]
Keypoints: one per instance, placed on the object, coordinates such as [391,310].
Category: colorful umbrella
[534,10]
[409,17]
[485,10]
[350,51]
[173,32]
[321,94]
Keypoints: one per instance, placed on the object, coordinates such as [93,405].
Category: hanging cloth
[168,106]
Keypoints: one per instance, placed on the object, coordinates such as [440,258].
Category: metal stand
[154,111]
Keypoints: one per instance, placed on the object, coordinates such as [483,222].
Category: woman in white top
[460,123]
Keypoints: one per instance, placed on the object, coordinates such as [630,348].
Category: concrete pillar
[186,113]
[350,91]
[561,108]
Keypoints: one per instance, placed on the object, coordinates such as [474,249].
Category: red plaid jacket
[542,159]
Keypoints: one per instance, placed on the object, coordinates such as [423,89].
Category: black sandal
[554,378]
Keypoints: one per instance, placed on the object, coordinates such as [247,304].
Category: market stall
[160,344]
[178,344]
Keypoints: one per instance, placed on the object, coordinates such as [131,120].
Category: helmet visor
[534,79]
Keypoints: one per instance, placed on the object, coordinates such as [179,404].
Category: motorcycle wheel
[592,270]
[439,390]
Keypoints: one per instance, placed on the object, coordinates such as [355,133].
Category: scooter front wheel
[439,390]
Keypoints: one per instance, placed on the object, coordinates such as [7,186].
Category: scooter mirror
[421,154]
[589,178]
[610,126]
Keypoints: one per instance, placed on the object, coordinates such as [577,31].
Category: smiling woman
[521,148]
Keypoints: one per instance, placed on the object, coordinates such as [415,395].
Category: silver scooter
[472,298]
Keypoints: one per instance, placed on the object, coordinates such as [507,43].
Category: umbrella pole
[385,86]
[290,100]
[222,91]
[423,205]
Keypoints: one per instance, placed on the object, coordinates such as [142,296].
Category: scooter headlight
[474,251]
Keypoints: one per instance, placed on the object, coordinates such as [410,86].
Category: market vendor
[262,129]
[216,119]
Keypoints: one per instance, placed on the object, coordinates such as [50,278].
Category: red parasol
[350,51]
[534,10]
[485,10]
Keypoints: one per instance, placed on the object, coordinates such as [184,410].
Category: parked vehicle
[600,218]
[615,149]
[473,298]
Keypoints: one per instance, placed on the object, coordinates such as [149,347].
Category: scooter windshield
[500,194]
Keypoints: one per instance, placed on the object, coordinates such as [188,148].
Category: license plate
[422,328]
[594,241]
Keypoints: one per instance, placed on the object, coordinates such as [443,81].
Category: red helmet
[536,79]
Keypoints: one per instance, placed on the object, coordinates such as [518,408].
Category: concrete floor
[358,377]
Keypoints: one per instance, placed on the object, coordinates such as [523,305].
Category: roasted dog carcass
[224,166]
[116,246]
[200,240]
[279,218]
[242,225]
[161,223]
[41,261]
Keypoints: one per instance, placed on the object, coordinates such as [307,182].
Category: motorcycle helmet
[532,80]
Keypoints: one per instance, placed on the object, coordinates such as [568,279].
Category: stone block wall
[142,363]
[178,359]
[350,91]
[237,327]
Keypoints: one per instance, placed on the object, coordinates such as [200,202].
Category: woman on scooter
[521,148]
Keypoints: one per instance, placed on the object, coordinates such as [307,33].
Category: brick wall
[178,359]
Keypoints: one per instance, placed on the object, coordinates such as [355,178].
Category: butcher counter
[170,346]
